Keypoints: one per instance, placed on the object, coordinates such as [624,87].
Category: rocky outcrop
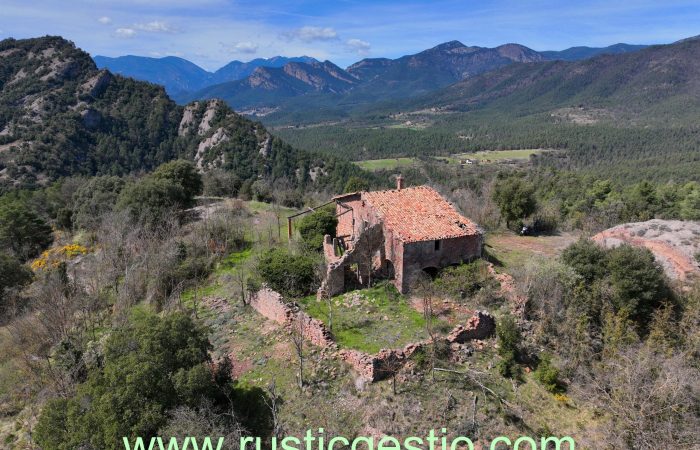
[215,139]
[674,243]
[91,118]
[96,84]
[187,119]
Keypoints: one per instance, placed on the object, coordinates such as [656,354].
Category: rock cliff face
[61,116]
[674,243]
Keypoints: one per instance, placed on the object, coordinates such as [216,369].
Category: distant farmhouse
[397,234]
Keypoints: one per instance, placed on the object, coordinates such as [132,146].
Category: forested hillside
[61,116]
[631,116]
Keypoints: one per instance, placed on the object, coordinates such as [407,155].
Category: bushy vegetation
[508,347]
[632,280]
[466,280]
[548,374]
[13,276]
[144,371]
[515,199]
[313,227]
[22,231]
[293,275]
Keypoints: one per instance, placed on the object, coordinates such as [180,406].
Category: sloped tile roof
[419,213]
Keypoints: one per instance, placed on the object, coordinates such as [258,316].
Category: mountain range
[60,115]
[650,83]
[258,86]
[179,75]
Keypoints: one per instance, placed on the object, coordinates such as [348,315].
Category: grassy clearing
[493,155]
[514,251]
[371,319]
[386,164]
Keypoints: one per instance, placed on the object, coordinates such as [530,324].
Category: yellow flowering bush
[561,398]
[52,257]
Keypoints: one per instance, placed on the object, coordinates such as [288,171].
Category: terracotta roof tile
[419,214]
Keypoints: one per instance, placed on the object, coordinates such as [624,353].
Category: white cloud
[125,32]
[358,46]
[104,20]
[156,27]
[310,34]
[241,47]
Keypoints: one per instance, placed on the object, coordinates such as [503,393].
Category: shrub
[586,258]
[13,274]
[548,375]
[94,199]
[291,275]
[150,199]
[220,183]
[151,366]
[185,174]
[508,343]
[313,227]
[515,199]
[22,231]
[465,280]
[356,184]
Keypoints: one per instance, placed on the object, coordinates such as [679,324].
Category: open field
[512,250]
[484,157]
[386,164]
[493,155]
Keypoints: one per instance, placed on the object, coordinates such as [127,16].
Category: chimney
[399,182]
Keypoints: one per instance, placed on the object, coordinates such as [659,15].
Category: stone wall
[369,242]
[271,305]
[481,325]
[383,364]
[379,366]
[417,256]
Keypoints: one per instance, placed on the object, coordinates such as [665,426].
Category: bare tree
[650,399]
[297,334]
[273,400]
[393,366]
[426,290]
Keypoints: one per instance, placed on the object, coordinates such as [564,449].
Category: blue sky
[213,32]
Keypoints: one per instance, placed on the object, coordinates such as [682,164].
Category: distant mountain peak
[449,45]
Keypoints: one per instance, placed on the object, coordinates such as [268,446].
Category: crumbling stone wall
[379,366]
[479,326]
[383,364]
[271,305]
[367,244]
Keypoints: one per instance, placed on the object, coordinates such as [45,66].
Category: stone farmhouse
[396,234]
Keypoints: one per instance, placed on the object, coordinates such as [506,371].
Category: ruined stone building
[397,234]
